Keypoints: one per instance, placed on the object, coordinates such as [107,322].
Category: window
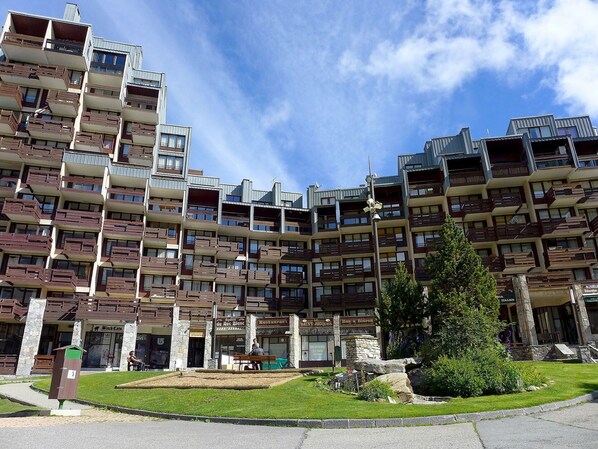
[87,207]
[317,347]
[161,253]
[81,269]
[363,262]
[268,268]
[32,229]
[75,78]
[328,200]
[237,290]
[549,214]
[235,264]
[233,198]
[156,279]
[287,203]
[15,259]
[170,163]
[46,203]
[29,97]
[21,294]
[516,248]
[540,189]
[190,235]
[319,266]
[537,132]
[255,245]
[103,61]
[412,166]
[568,131]
[238,240]
[398,233]
[356,238]
[117,273]
[172,141]
[511,219]
[146,82]
[125,216]
[196,286]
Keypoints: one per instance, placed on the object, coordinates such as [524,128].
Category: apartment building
[109,241]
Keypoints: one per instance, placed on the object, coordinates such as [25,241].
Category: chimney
[71,13]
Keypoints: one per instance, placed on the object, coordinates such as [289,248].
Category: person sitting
[134,362]
[256,350]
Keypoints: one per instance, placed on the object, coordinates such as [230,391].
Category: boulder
[399,383]
[385,366]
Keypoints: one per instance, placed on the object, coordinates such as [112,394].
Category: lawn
[302,398]
[8,407]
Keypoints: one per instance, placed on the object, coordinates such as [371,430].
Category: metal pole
[214,316]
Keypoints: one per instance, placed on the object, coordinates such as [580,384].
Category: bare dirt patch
[233,380]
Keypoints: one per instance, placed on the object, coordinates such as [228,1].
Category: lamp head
[376,217]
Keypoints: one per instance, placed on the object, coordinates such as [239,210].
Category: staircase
[593,352]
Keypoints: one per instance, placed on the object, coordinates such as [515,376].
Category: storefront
[317,342]
[102,344]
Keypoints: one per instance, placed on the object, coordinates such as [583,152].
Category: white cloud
[275,115]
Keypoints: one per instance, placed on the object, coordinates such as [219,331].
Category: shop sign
[107,329]
[590,289]
[278,322]
[590,299]
[230,324]
[357,321]
[315,322]
[196,334]
[506,297]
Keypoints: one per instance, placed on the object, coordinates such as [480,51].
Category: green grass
[8,407]
[302,399]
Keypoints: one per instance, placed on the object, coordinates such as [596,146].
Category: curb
[349,423]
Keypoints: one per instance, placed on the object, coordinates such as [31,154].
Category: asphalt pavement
[570,427]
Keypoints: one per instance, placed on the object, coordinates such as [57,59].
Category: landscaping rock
[399,383]
[385,366]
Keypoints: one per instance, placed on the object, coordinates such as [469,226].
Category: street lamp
[372,208]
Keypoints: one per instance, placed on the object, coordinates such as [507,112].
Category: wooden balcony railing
[80,248]
[417,190]
[143,130]
[91,141]
[480,235]
[509,169]
[111,122]
[522,262]
[8,363]
[431,219]
[129,229]
[82,184]
[42,364]
[205,270]
[66,47]
[477,206]
[356,247]
[55,72]
[37,153]
[101,308]
[166,265]
[77,218]
[50,128]
[568,225]
[466,178]
[292,303]
[124,255]
[140,155]
[39,177]
[506,200]
[11,91]
[390,267]
[227,247]
[201,214]
[62,98]
[126,196]
[549,281]
[258,276]
[11,242]
[328,250]
[164,291]
[23,40]
[261,304]
[567,257]
[21,208]
[517,231]
[61,309]
[291,277]
[12,309]
[552,161]
[8,118]
[231,274]
[120,286]
[348,300]
[155,313]
[166,207]
[11,146]
[139,102]
[27,275]
[155,234]
[573,192]
[61,278]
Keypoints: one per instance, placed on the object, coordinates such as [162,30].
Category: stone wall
[535,352]
[361,347]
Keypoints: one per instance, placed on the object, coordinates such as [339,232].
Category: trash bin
[65,373]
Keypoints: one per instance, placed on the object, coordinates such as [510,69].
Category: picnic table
[243,359]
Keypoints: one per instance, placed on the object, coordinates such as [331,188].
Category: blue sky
[304,91]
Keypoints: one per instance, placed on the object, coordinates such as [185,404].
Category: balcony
[328,251]
[50,130]
[481,235]
[96,122]
[231,275]
[420,194]
[260,304]
[139,108]
[427,220]
[65,280]
[15,73]
[10,97]
[205,271]
[91,142]
[548,161]
[466,178]
[506,202]
[259,277]
[509,169]
[143,134]
[564,195]
[549,281]
[80,249]
[116,286]
[352,248]
[516,231]
[348,300]
[25,275]
[563,258]
[156,236]
[11,147]
[292,303]
[565,227]
[9,123]
[271,253]
[227,250]
[124,256]
[331,275]
[517,262]
[354,219]
[160,265]
[224,301]
[164,291]
[23,47]
[477,206]
[390,267]
[202,217]
[141,156]
[126,200]
[121,229]
[110,309]
[8,185]
[421,274]
[207,246]
[391,212]
[80,188]
[53,77]
[12,309]
[66,52]
[235,221]
[36,154]
[103,97]
[61,309]
[65,104]
[43,181]
[291,278]
[155,314]
[170,211]
[18,210]
[13,243]
[78,220]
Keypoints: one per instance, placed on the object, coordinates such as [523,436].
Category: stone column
[361,347]
[129,342]
[31,336]
[77,338]
[250,331]
[584,320]
[525,315]
[207,350]
[336,331]
[179,343]
[294,341]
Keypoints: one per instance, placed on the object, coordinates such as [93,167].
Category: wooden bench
[243,359]
[43,364]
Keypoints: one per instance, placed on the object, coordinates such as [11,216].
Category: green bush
[375,390]
[477,373]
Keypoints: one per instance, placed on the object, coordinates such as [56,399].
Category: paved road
[575,427]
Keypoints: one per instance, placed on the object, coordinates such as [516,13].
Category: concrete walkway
[21,392]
